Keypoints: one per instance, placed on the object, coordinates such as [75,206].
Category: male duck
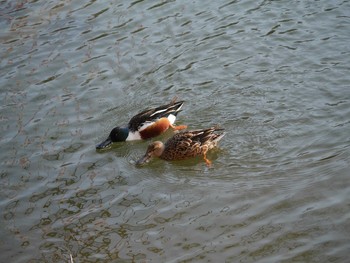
[147,124]
[184,145]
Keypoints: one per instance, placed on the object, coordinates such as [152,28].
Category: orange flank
[155,129]
[177,128]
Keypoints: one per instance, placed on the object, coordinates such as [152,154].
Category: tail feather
[208,135]
[176,108]
[219,137]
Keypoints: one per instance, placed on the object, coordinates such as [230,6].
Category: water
[274,74]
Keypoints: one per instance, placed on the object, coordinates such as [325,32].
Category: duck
[146,124]
[184,145]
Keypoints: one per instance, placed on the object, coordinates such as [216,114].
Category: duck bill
[105,144]
[145,159]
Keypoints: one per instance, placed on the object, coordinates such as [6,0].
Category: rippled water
[274,74]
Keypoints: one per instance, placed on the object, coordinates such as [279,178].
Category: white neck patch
[133,136]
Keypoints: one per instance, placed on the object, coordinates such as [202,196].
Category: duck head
[155,149]
[117,134]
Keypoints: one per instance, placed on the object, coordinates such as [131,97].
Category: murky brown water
[274,74]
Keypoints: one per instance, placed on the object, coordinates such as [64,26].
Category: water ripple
[274,74]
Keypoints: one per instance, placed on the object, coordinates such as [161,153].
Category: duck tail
[208,135]
[219,136]
[176,107]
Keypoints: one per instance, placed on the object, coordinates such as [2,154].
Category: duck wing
[149,116]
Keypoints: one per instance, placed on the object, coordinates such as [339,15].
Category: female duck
[184,145]
[147,124]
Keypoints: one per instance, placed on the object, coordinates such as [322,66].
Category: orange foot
[207,161]
[180,127]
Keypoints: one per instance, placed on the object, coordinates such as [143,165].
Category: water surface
[274,74]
